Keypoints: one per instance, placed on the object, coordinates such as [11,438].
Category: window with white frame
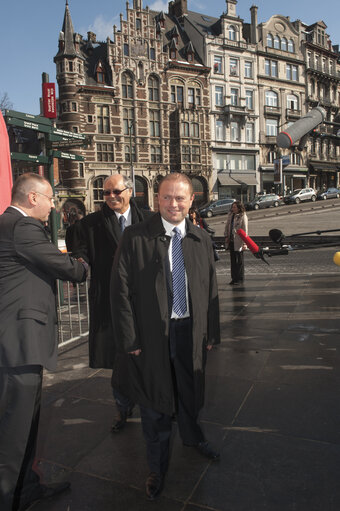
[218,95]
[271,156]
[271,67]
[234,95]
[291,72]
[232,33]
[250,132]
[284,44]
[277,42]
[219,130]
[103,119]
[295,159]
[250,99]
[271,127]
[217,64]
[291,46]
[292,102]
[154,123]
[234,131]
[233,67]
[248,69]
[176,94]
[271,98]
[270,42]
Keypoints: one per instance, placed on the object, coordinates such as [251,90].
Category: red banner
[49,100]
[6,179]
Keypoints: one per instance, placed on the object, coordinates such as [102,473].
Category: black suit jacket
[29,265]
[95,239]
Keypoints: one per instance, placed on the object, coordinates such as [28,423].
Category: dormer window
[100,74]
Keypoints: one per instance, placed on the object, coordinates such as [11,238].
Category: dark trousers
[236,264]
[157,426]
[20,398]
[124,404]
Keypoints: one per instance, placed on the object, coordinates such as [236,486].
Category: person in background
[29,267]
[236,219]
[197,220]
[95,239]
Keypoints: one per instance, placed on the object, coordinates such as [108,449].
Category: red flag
[6,180]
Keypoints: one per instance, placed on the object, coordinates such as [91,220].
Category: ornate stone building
[143,98]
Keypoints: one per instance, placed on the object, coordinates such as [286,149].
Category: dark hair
[194,210]
[23,186]
[240,206]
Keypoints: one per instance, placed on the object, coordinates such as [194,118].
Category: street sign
[33,158]
[67,156]
[44,128]
[285,161]
[68,134]
[28,117]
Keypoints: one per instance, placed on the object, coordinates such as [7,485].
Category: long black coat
[96,238]
[29,265]
[141,310]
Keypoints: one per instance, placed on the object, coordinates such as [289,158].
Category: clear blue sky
[30,31]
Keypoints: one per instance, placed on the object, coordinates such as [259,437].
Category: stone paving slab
[271,408]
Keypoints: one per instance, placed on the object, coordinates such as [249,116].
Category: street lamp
[131,160]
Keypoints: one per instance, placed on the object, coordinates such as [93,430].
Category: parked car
[217,207]
[330,193]
[264,201]
[299,195]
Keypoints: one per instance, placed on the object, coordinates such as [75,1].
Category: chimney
[253,26]
[178,8]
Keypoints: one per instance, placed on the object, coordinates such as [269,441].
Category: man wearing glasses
[96,240]
[29,265]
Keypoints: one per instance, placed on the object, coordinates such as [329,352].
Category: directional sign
[28,117]
[29,157]
[285,161]
[44,128]
[67,156]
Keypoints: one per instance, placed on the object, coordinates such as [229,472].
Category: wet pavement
[272,408]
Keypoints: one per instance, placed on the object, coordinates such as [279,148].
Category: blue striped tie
[179,303]
[122,221]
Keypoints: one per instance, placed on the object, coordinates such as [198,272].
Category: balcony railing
[272,110]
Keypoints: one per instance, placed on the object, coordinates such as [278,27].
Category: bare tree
[5,102]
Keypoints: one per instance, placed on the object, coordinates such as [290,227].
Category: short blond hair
[177,176]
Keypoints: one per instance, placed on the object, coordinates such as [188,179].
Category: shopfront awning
[326,167]
[237,179]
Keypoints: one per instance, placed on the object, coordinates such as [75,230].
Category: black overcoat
[140,300]
[96,238]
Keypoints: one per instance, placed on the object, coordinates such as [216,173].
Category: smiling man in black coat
[166,321]
[96,239]
[29,265]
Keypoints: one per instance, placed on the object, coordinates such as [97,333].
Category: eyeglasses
[114,192]
[52,199]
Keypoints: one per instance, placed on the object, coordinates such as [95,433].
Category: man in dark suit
[96,238]
[166,312]
[29,265]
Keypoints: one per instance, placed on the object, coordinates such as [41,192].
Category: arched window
[277,42]
[200,190]
[270,43]
[271,98]
[291,46]
[284,44]
[232,33]
[127,88]
[153,86]
[292,102]
[141,192]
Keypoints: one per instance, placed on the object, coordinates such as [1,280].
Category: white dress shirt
[127,215]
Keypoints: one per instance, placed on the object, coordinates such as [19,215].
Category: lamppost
[131,160]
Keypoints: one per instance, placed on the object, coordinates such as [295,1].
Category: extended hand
[136,352]
[209,346]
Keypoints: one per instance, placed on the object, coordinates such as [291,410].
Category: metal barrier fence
[73,312]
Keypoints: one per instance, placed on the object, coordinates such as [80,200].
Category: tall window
[105,152]
[284,44]
[103,119]
[250,99]
[176,94]
[270,67]
[270,42]
[219,130]
[277,42]
[194,96]
[153,86]
[156,154]
[154,123]
[232,33]
[195,154]
[291,72]
[271,98]
[233,67]
[128,153]
[195,130]
[186,154]
[218,95]
[97,190]
[291,46]
[126,50]
[217,64]
[235,131]
[127,86]
[250,132]
[248,69]
[138,24]
[152,54]
[128,121]
[292,102]
[234,93]
[185,129]
[271,127]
